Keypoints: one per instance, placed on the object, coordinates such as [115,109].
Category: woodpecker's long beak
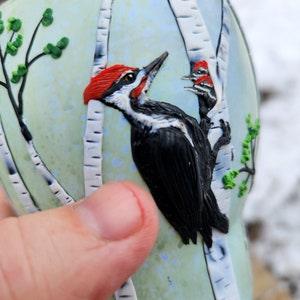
[155,65]
[188,77]
[152,69]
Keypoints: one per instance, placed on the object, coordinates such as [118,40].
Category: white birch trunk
[101,50]
[57,190]
[92,168]
[223,164]
[196,37]
[126,291]
[199,47]
[14,176]
[92,141]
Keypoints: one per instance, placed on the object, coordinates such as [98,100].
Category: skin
[82,251]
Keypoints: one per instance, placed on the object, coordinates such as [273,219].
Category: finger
[84,251]
[5,207]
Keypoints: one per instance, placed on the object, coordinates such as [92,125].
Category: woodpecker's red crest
[103,81]
[122,83]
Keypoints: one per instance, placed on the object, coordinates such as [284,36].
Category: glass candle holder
[161,93]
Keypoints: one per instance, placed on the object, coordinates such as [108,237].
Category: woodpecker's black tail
[212,217]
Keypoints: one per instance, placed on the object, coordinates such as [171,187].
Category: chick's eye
[129,78]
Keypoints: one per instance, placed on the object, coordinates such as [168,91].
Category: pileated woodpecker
[203,87]
[169,147]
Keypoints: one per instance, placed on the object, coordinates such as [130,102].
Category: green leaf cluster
[253,128]
[17,75]
[14,24]
[47,17]
[247,150]
[253,131]
[56,51]
[228,179]
[2,27]
[242,189]
[13,46]
[229,182]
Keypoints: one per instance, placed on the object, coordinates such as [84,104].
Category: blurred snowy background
[273,208]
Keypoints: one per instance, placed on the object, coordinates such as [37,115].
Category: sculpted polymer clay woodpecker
[170,148]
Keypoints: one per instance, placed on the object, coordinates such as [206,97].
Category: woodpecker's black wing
[178,167]
[211,214]
[170,167]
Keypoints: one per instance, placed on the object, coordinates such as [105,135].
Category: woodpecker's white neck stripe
[156,122]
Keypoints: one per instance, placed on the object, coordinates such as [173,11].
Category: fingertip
[148,206]
[118,210]
[125,246]
[6,209]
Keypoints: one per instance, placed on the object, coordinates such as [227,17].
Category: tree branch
[7,83]
[35,59]
[248,170]
[5,54]
[3,84]
[27,64]
[31,43]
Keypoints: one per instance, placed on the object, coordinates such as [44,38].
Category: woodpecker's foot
[226,136]
[224,139]
[205,124]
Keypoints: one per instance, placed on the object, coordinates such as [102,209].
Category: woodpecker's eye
[129,77]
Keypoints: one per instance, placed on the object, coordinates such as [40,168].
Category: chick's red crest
[200,64]
[204,78]
[103,81]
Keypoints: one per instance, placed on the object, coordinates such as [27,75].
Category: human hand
[82,251]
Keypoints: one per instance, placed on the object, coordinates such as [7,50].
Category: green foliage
[248,145]
[228,179]
[22,70]
[2,27]
[253,131]
[242,188]
[14,24]
[47,17]
[13,46]
[56,51]
[253,128]
[18,41]
[17,75]
[63,43]
[14,43]
[11,49]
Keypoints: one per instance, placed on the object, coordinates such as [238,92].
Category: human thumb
[82,251]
